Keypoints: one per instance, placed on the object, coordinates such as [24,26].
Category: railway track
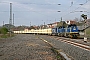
[72,42]
[75,49]
[60,55]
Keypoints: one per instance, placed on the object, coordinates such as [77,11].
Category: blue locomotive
[70,31]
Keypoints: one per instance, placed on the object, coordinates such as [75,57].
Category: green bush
[3,30]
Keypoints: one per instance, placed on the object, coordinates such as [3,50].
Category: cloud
[33,10]
[19,5]
[87,6]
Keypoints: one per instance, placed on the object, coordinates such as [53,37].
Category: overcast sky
[39,11]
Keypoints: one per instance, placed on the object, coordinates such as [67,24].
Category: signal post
[84,17]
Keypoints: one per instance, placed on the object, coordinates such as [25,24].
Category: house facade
[52,25]
[70,22]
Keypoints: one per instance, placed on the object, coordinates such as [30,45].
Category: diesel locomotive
[70,31]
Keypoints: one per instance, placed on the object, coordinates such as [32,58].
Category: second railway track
[74,43]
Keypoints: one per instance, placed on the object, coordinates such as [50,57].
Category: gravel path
[25,47]
[75,52]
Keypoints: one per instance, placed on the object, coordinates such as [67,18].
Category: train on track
[70,31]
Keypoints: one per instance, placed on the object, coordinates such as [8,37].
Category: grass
[88,32]
[6,35]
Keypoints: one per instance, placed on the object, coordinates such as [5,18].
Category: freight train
[70,31]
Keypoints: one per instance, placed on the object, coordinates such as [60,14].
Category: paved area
[25,47]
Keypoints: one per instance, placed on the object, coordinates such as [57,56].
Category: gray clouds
[35,11]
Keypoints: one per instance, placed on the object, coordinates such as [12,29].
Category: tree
[32,27]
[0,30]
[3,30]
[62,23]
